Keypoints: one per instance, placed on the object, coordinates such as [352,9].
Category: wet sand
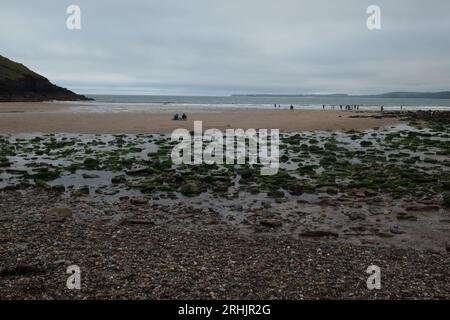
[57,118]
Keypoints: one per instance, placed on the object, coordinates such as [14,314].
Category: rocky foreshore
[139,226]
[153,253]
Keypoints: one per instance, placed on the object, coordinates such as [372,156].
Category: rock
[406,217]
[62,262]
[396,230]
[418,208]
[58,188]
[60,213]
[357,216]
[184,216]
[138,201]
[319,234]
[118,179]
[82,191]
[172,195]
[89,176]
[271,223]
[446,200]
[138,170]
[190,189]
[447,246]
[237,207]
[266,204]
[384,234]
[371,193]
[137,222]
[16,171]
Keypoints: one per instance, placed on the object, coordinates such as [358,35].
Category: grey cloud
[224,47]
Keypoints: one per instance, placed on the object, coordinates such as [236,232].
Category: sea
[153,103]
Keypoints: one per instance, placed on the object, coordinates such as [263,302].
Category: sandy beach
[56,118]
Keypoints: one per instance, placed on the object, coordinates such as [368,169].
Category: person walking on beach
[292,107]
[323,107]
[382,108]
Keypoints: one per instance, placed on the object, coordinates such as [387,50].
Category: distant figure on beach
[176,117]
[382,108]
[184,116]
[340,106]
[275,105]
[323,107]
[292,107]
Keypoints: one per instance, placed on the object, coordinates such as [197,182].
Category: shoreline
[55,118]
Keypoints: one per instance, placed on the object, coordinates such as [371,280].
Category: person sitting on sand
[176,117]
[184,116]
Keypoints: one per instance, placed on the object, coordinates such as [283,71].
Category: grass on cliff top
[10,70]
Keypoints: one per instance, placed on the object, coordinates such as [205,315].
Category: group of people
[341,107]
[278,106]
[352,107]
[177,117]
[346,107]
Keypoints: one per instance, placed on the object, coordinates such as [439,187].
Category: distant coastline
[390,95]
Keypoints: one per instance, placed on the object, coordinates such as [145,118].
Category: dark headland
[20,84]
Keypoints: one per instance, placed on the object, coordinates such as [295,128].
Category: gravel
[142,258]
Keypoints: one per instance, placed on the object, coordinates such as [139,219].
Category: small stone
[137,222]
[319,234]
[61,213]
[138,201]
[418,208]
[406,217]
[395,230]
[272,223]
[357,216]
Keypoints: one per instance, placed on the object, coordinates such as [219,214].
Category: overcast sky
[221,47]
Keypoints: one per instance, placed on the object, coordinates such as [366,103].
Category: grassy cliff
[18,83]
